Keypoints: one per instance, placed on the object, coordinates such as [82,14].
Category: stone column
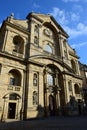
[5,38]
[77,68]
[45,93]
[32,31]
[61,45]
[40,36]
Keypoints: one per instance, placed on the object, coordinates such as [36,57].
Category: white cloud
[81,27]
[79,30]
[75,17]
[65,19]
[74,0]
[59,15]
[79,45]
[73,33]
[77,8]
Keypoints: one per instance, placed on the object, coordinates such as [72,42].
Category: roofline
[52,18]
[60,27]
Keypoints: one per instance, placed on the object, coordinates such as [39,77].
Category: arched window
[35,79]
[76,89]
[53,78]
[15,78]
[48,48]
[14,96]
[35,98]
[18,44]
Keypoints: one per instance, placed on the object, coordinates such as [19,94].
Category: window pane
[48,49]
[13,97]
[12,81]
[49,79]
[35,79]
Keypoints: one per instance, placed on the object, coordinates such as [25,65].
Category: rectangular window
[50,80]
[35,79]
[12,81]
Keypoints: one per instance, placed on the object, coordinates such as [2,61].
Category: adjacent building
[39,71]
[83,71]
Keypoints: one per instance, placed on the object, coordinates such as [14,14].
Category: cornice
[60,27]
[52,58]
[32,15]
[10,56]
[17,26]
[73,54]
[72,74]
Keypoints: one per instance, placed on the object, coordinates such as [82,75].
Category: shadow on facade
[74,107]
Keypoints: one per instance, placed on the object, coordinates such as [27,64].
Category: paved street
[51,123]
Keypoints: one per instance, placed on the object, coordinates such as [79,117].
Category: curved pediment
[44,59]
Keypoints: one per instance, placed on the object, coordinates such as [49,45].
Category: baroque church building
[39,71]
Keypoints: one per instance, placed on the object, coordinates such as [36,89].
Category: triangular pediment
[47,18]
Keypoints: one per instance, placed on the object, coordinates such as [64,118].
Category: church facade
[39,71]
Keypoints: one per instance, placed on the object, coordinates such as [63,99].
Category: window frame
[12,81]
[35,98]
[35,79]
[47,47]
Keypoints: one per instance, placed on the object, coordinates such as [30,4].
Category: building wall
[44,69]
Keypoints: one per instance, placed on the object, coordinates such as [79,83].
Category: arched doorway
[11,106]
[52,87]
[51,105]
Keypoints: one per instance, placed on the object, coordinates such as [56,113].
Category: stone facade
[83,71]
[39,71]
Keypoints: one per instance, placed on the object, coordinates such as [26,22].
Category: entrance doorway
[51,105]
[53,82]
[11,110]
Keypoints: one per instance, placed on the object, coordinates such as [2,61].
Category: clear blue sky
[70,14]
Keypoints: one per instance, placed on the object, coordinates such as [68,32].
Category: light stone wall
[7,66]
[31,63]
